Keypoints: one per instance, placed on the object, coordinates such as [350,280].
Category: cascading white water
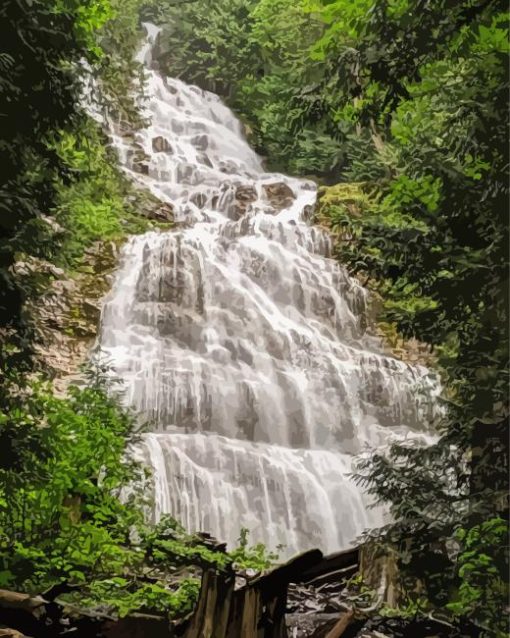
[243,343]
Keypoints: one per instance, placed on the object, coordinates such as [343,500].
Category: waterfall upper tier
[244,344]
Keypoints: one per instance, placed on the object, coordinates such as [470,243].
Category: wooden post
[340,627]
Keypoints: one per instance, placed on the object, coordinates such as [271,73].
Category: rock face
[66,315]
[279,194]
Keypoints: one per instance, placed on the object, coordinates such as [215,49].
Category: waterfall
[243,344]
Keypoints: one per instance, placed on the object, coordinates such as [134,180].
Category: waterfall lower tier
[243,344]
[296,498]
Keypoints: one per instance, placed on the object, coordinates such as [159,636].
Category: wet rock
[161,145]
[124,127]
[66,312]
[244,197]
[279,194]
[162,213]
[308,212]
[91,309]
[177,126]
[229,167]
[140,162]
[203,158]
[188,174]
[101,257]
[200,142]
[142,168]
[199,199]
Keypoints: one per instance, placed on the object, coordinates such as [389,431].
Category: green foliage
[122,596]
[61,518]
[410,609]
[89,17]
[168,541]
[483,570]
[255,557]
[49,146]
[120,76]
[405,104]
[205,43]
[98,206]
[43,46]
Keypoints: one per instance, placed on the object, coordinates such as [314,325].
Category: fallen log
[33,605]
[24,613]
[292,571]
[348,559]
[338,576]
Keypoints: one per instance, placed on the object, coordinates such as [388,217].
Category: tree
[43,44]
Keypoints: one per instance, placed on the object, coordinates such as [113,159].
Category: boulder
[203,158]
[245,195]
[140,162]
[200,142]
[279,194]
[162,213]
[229,167]
[124,127]
[199,199]
[161,145]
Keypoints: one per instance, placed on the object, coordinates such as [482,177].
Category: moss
[340,204]
[341,209]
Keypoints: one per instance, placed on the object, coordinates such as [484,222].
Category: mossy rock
[350,198]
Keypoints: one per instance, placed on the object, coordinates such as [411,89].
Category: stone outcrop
[66,314]
[161,145]
[354,200]
[244,197]
[279,195]
[139,161]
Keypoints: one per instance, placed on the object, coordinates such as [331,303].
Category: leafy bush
[124,597]
[254,557]
[482,566]
[98,206]
[430,87]
[62,518]
[60,514]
